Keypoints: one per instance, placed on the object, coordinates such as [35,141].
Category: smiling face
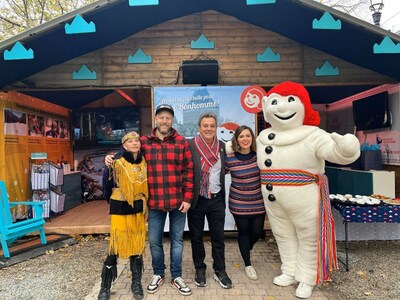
[225,134]
[252,99]
[208,129]
[283,112]
[244,141]
[132,145]
[163,122]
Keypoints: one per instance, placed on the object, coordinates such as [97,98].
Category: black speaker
[200,72]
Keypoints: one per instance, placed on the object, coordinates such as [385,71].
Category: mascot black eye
[274,102]
[291,99]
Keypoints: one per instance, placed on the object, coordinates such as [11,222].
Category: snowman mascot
[291,156]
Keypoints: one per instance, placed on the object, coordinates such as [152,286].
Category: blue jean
[156,223]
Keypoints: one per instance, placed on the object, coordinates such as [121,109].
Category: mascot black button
[269,186]
[268,162]
[268,149]
[271,198]
[271,136]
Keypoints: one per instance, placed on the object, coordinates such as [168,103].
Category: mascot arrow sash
[327,256]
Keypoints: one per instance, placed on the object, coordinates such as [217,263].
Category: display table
[365,214]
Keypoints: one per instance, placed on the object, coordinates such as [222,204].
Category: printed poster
[233,105]
[388,141]
[52,128]
[15,122]
[35,125]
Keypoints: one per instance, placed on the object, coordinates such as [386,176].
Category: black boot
[136,269]
[108,275]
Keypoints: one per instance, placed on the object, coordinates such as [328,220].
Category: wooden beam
[126,96]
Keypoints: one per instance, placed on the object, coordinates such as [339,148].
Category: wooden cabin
[236,36]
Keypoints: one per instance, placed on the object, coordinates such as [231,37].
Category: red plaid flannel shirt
[169,170]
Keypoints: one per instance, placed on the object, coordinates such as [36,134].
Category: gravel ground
[71,272]
[66,273]
[373,271]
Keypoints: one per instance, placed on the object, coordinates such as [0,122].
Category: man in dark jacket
[208,201]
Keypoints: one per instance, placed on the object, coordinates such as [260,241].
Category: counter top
[72,172]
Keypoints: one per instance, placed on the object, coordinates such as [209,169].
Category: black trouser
[250,229]
[214,210]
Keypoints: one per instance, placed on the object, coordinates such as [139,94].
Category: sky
[390,19]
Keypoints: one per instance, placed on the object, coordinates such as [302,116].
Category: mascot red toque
[287,88]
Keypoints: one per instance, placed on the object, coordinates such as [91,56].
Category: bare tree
[361,10]
[17,16]
[351,7]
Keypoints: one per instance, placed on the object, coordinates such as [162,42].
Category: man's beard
[164,132]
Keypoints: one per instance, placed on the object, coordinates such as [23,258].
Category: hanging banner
[190,102]
[230,104]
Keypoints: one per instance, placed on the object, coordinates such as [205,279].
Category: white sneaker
[155,283]
[304,290]
[181,286]
[251,272]
[284,280]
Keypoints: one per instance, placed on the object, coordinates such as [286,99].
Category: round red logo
[251,98]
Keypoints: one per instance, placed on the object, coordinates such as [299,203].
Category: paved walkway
[265,259]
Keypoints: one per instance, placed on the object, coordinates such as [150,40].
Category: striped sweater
[245,196]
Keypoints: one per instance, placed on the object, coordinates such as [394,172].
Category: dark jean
[214,210]
[156,235]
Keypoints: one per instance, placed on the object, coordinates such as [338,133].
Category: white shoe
[284,280]
[304,290]
[251,272]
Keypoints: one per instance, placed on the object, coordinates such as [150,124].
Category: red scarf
[209,157]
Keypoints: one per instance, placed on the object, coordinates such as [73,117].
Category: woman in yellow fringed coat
[125,185]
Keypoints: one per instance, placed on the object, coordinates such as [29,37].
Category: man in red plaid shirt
[170,178]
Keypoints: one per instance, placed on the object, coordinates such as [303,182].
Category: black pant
[250,229]
[214,210]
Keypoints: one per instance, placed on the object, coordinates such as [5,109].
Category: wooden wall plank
[236,47]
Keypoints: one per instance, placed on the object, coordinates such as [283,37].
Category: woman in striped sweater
[245,199]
